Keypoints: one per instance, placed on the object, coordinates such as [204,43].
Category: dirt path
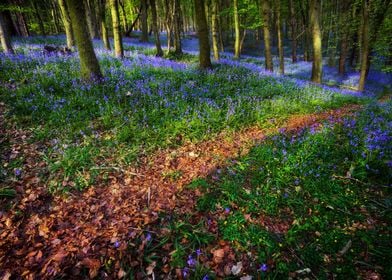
[44,235]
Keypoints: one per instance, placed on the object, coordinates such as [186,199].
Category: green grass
[143,104]
[301,181]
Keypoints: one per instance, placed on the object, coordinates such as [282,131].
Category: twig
[357,181]
[345,248]
[148,197]
[117,169]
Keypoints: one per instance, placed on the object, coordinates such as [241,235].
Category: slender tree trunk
[293,24]
[266,10]
[202,31]
[118,47]
[89,65]
[169,24]
[237,43]
[280,39]
[4,38]
[39,18]
[67,24]
[316,42]
[214,27]
[343,54]
[364,45]
[143,17]
[155,27]
[124,15]
[55,16]
[177,27]
[104,31]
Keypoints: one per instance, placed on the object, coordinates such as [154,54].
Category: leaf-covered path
[45,235]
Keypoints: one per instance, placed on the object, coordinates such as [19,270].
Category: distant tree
[237,42]
[266,10]
[177,26]
[316,41]
[104,30]
[280,36]
[202,31]
[155,28]
[4,37]
[67,24]
[118,47]
[293,25]
[215,28]
[89,65]
[143,17]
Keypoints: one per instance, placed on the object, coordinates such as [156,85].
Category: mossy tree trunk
[202,32]
[316,41]
[155,27]
[4,37]
[89,65]
[177,27]
[280,38]
[104,30]
[67,24]
[237,42]
[364,45]
[266,11]
[215,28]
[118,47]
[143,18]
[293,25]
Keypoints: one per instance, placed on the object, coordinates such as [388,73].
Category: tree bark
[118,47]
[177,27]
[124,15]
[104,31]
[202,31]
[89,65]
[266,10]
[5,39]
[155,27]
[214,27]
[67,24]
[280,39]
[143,17]
[237,43]
[39,18]
[364,45]
[316,41]
[293,25]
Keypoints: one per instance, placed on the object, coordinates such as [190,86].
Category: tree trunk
[39,18]
[202,31]
[67,24]
[177,27]
[118,47]
[155,27]
[364,45]
[143,17]
[169,24]
[124,15]
[89,65]
[104,31]
[280,39]
[55,16]
[237,43]
[316,41]
[266,10]
[5,40]
[214,27]
[293,24]
[343,54]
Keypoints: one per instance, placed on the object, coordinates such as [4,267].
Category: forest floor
[300,191]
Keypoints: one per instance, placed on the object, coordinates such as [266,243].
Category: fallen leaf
[237,268]
[150,268]
[93,266]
